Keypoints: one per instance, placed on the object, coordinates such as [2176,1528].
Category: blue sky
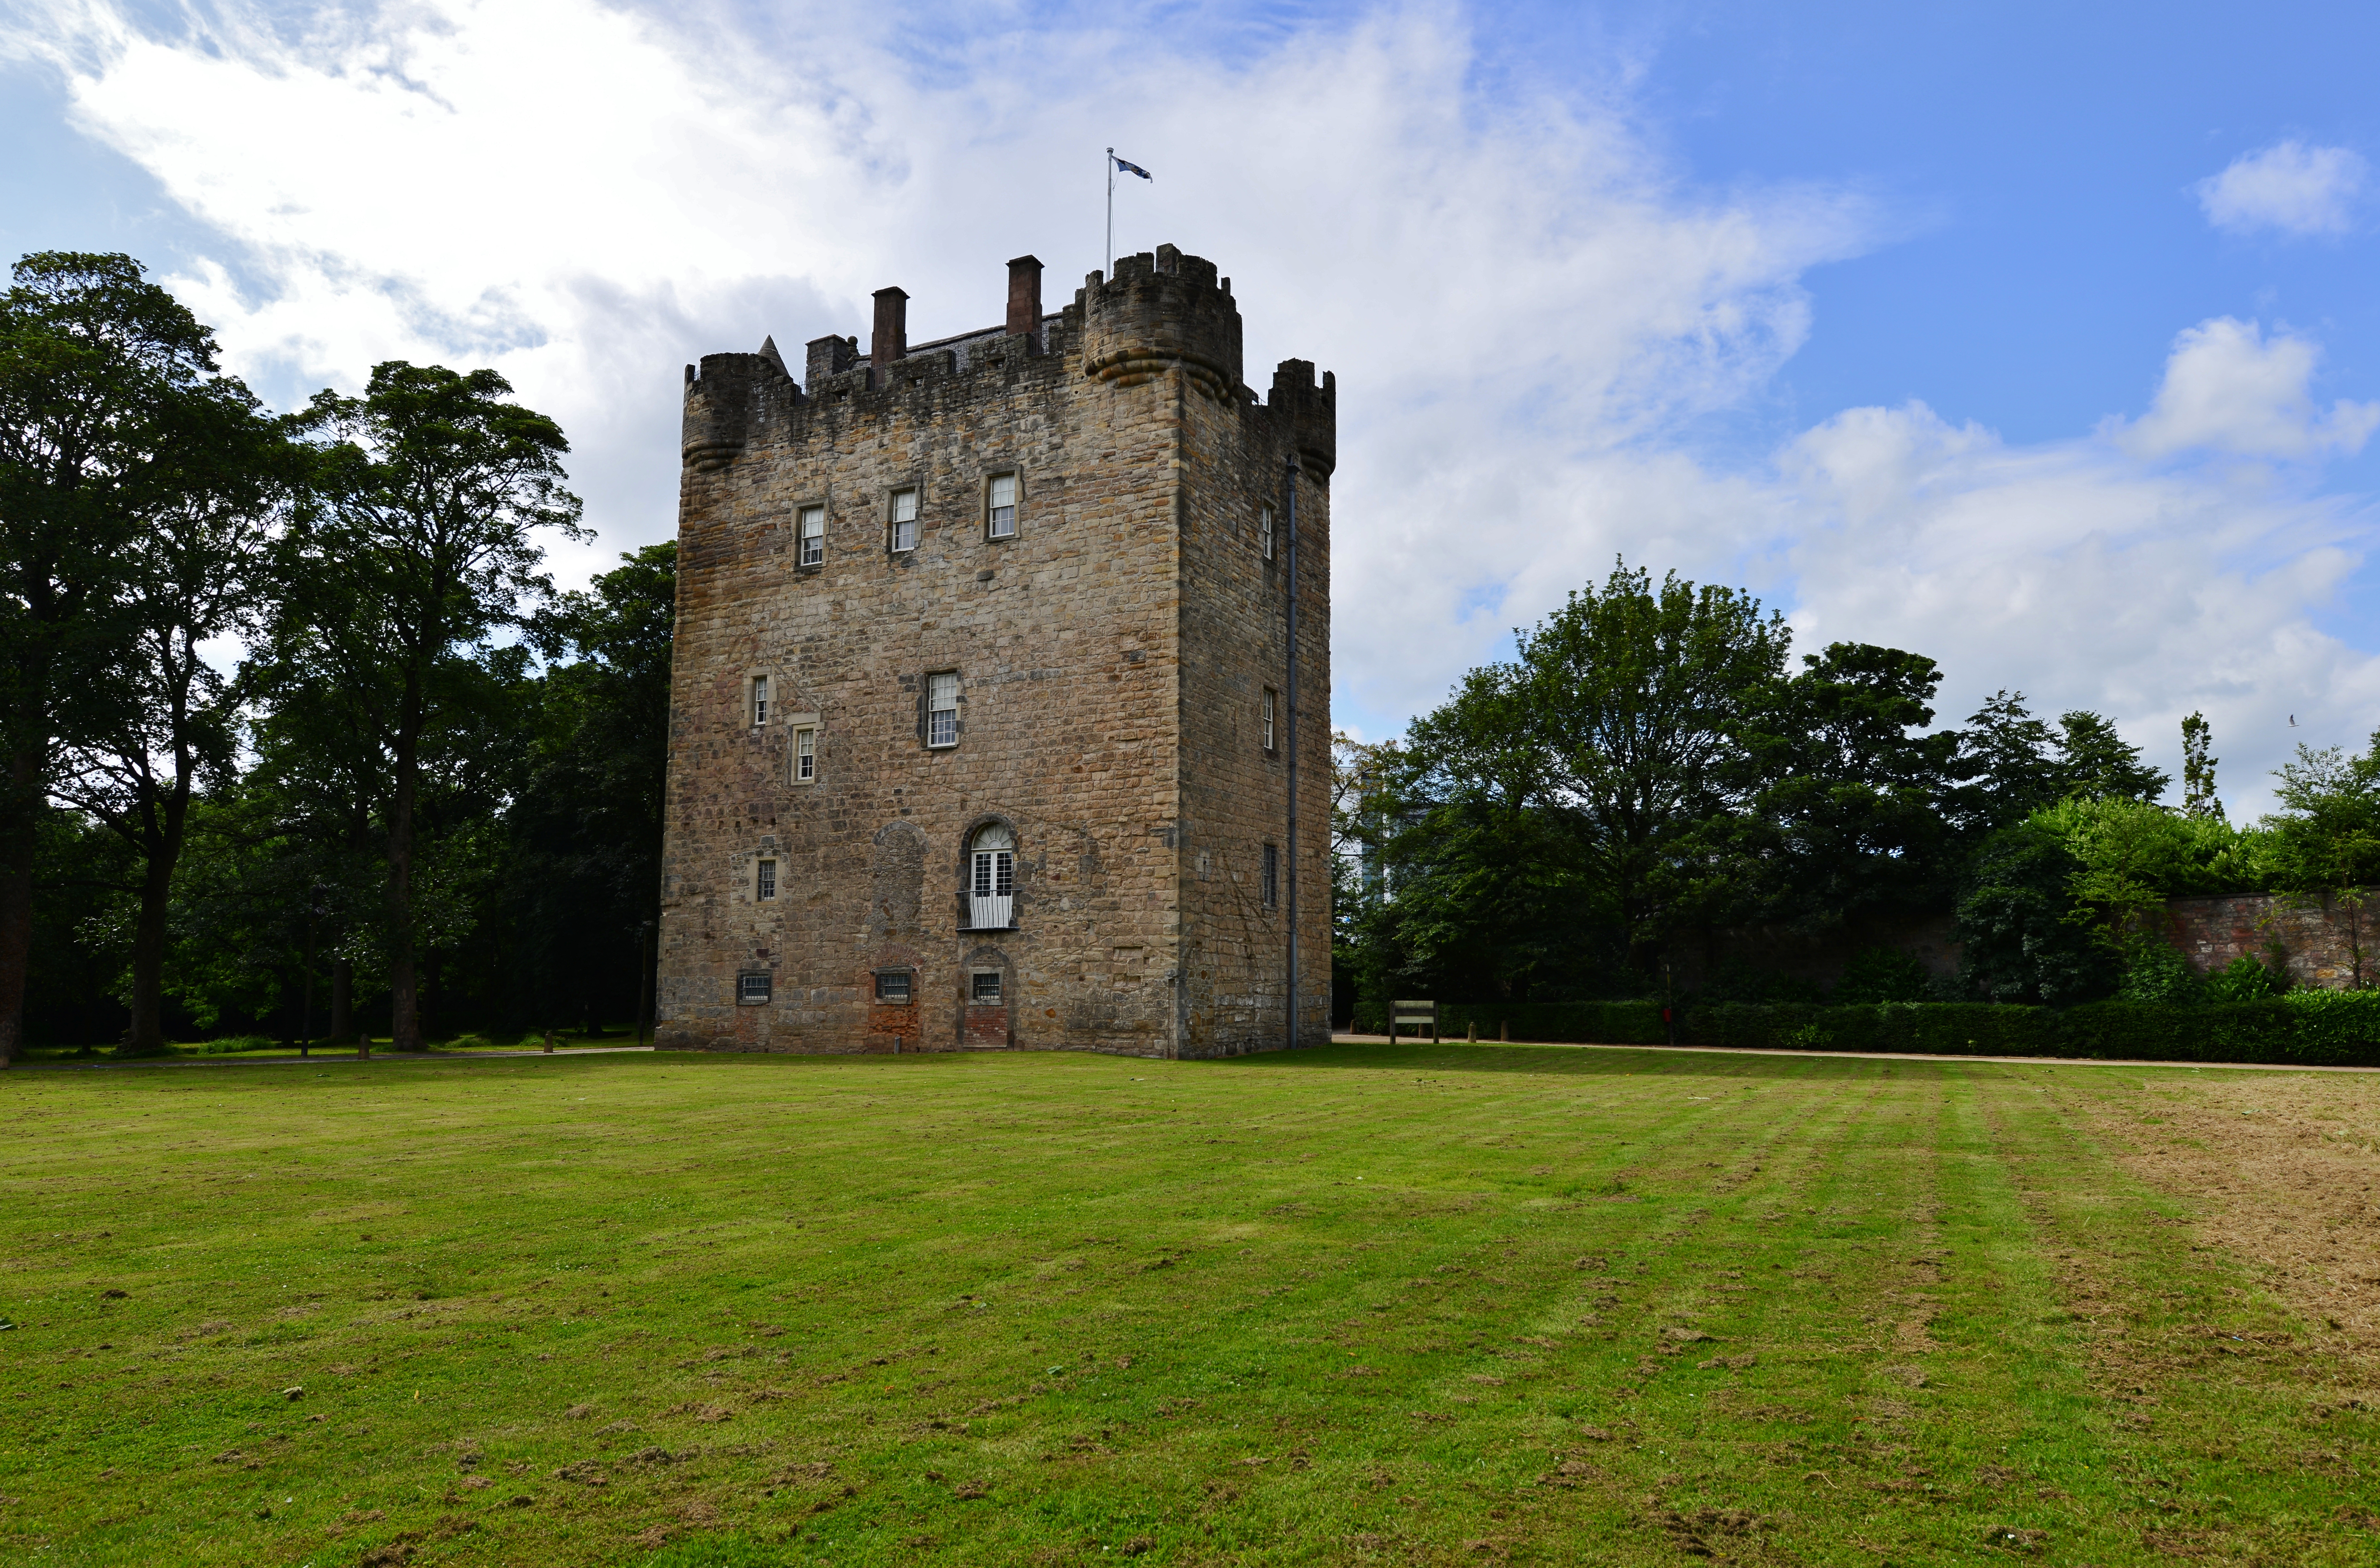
[2026,336]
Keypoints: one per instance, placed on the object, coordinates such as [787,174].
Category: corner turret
[1162,310]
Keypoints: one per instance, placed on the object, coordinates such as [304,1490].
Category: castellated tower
[980,730]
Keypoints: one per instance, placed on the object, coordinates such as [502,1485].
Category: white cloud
[1527,304]
[2288,186]
[2228,388]
[2081,575]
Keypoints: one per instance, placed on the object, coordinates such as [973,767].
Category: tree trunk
[147,1035]
[404,994]
[343,1000]
[19,829]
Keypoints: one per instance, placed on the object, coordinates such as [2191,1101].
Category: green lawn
[1401,1305]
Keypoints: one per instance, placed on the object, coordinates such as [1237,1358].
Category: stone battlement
[1162,311]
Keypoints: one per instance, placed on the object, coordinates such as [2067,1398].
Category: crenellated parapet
[1162,311]
[720,403]
[1307,416]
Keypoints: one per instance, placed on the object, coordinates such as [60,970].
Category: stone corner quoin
[980,646]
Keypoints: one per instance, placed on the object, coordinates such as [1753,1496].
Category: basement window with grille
[1002,520]
[892,987]
[752,988]
[812,532]
[904,521]
[985,990]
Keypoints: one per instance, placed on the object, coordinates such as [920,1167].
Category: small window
[1004,506]
[1270,699]
[942,709]
[812,530]
[905,520]
[1263,532]
[752,988]
[985,991]
[764,879]
[1272,875]
[892,987]
[760,700]
[805,756]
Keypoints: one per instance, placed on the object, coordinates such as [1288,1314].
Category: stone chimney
[1023,296]
[891,340]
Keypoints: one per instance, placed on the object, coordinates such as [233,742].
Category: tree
[2323,844]
[108,403]
[1490,896]
[2015,915]
[160,715]
[2198,797]
[2004,753]
[586,820]
[435,487]
[2096,763]
[1846,805]
[1636,699]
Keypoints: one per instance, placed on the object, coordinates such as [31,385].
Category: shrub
[1882,974]
[232,1044]
[470,1043]
[2245,980]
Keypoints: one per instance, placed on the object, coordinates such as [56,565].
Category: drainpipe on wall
[1291,739]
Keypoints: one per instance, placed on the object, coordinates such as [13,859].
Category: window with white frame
[905,520]
[760,700]
[943,708]
[991,878]
[764,879]
[892,987]
[752,987]
[810,527]
[1272,875]
[1263,532]
[805,756]
[1271,699]
[1002,516]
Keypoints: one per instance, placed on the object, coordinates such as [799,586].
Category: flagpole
[1110,250]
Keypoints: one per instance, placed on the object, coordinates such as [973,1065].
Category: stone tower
[980,730]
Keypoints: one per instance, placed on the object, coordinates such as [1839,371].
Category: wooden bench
[1421,1014]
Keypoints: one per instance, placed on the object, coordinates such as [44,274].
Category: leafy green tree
[1633,699]
[2015,916]
[2006,761]
[160,717]
[1845,803]
[586,822]
[2198,797]
[2323,844]
[436,487]
[2096,763]
[114,426]
[1489,894]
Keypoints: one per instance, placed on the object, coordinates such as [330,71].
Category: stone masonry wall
[1069,641]
[2316,942]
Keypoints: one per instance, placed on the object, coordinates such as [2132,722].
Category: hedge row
[2303,1028]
